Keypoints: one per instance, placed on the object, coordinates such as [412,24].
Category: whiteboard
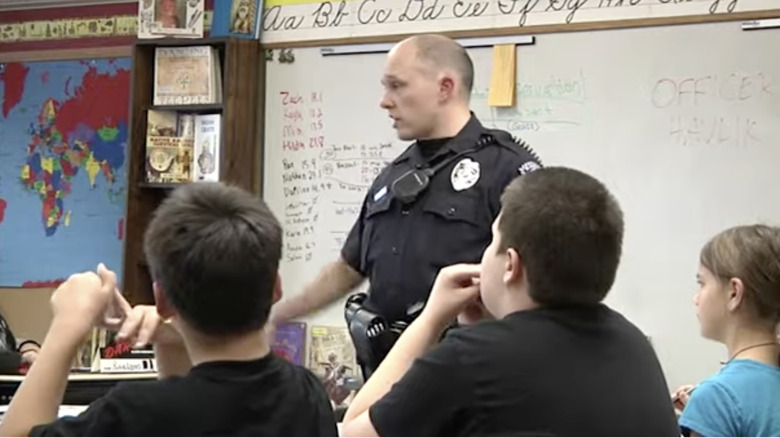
[679,122]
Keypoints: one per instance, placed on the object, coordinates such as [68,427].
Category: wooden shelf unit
[243,79]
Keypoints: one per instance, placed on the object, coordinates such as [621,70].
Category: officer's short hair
[441,51]
[568,230]
[215,250]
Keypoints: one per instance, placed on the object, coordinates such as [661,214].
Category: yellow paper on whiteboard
[502,76]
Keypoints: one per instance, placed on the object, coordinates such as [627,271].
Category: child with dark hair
[213,252]
[538,353]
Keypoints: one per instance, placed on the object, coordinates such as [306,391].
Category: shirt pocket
[378,214]
[460,228]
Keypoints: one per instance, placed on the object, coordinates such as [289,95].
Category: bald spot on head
[440,53]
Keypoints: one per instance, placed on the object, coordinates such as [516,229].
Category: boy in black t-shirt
[213,252]
[553,361]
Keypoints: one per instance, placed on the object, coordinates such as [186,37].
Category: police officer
[433,206]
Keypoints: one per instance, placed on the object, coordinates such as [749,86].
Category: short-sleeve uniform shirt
[401,247]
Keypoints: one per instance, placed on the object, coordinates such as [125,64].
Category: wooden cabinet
[243,76]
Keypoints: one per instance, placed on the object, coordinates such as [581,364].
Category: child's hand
[117,309]
[29,356]
[140,325]
[80,302]
[455,288]
[474,313]
[680,398]
[143,326]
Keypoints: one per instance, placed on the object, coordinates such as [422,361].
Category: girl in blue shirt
[738,304]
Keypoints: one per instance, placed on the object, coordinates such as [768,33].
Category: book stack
[182,147]
[184,123]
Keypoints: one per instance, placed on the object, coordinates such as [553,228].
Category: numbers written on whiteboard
[302,129]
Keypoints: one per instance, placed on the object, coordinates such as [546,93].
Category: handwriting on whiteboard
[323,182]
[300,20]
[302,138]
[553,103]
[711,109]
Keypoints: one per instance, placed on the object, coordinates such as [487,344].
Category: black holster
[372,335]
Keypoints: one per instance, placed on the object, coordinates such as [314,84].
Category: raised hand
[456,287]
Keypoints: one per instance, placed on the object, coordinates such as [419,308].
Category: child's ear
[277,294]
[736,294]
[164,308]
[514,266]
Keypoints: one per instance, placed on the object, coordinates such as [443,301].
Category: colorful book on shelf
[169,147]
[171,18]
[237,18]
[120,357]
[189,75]
[182,147]
[290,342]
[207,147]
[88,354]
[332,358]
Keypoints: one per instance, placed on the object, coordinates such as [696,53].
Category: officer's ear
[446,87]
[277,294]
[513,271]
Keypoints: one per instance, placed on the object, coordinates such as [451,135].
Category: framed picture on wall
[170,18]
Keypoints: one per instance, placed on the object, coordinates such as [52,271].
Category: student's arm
[419,392]
[77,304]
[417,339]
[712,410]
[423,396]
[39,396]
[113,414]
[104,417]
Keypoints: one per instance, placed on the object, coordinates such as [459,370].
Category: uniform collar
[465,139]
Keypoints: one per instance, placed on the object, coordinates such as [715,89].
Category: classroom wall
[27,311]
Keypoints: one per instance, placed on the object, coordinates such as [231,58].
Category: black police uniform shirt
[544,372]
[401,248]
[264,397]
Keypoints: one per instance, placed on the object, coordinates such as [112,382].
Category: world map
[63,140]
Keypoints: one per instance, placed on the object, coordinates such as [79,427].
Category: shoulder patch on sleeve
[518,146]
[527,148]
[528,166]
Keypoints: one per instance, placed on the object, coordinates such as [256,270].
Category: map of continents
[63,135]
